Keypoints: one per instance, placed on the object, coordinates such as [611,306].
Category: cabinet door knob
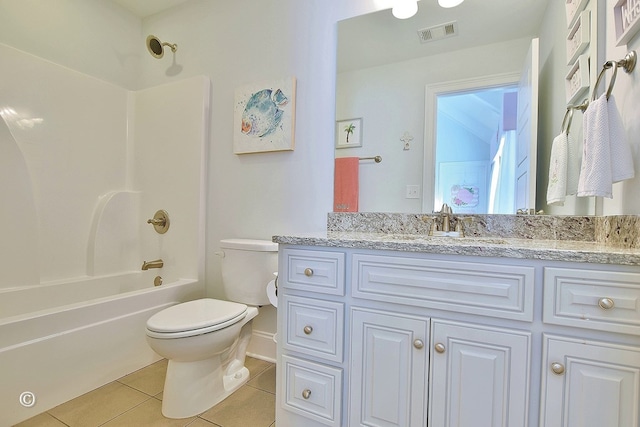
[307,330]
[606,303]
[306,393]
[418,344]
[439,347]
[308,272]
[557,368]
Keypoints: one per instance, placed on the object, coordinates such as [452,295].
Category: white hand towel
[557,188]
[573,164]
[621,157]
[595,172]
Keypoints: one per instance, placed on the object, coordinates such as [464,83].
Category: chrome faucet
[158,263]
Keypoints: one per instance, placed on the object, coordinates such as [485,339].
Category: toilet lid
[197,314]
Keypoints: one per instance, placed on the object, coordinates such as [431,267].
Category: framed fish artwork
[264,117]
[349,133]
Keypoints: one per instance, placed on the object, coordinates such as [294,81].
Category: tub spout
[152,264]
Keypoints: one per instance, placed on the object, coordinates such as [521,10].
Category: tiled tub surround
[505,316]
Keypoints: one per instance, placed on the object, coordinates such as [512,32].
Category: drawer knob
[557,368]
[439,347]
[306,393]
[418,344]
[606,303]
[308,272]
[307,330]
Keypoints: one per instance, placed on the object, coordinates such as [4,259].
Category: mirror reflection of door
[482,135]
[528,130]
[475,156]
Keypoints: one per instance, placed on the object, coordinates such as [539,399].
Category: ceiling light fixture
[449,3]
[405,9]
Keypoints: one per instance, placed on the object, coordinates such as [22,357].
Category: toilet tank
[247,267]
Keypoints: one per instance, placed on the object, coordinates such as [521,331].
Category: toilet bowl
[205,340]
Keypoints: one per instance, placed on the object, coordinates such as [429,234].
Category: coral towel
[346,184]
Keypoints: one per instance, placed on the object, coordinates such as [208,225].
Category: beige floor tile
[266,380]
[199,422]
[98,406]
[42,420]
[149,380]
[147,414]
[256,366]
[248,406]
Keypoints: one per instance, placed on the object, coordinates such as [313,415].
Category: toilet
[205,340]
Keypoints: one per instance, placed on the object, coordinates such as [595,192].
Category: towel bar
[377,159]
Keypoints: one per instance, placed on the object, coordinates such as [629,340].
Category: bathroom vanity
[410,330]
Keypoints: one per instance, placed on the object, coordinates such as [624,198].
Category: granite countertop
[539,249]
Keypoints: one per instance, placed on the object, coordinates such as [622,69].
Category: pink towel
[345,184]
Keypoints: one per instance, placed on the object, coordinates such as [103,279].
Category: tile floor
[135,400]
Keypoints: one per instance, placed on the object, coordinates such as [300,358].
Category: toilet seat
[195,318]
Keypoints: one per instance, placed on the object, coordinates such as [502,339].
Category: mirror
[385,67]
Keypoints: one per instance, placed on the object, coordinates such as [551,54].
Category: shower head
[155,46]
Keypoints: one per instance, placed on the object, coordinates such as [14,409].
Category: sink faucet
[158,263]
[446,213]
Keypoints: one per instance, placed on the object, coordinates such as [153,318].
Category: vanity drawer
[314,327]
[496,290]
[312,390]
[315,271]
[594,299]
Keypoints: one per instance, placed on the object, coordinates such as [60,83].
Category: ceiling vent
[438,32]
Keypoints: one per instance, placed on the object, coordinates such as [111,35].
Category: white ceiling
[144,8]
[379,38]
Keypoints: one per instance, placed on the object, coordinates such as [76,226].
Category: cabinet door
[389,357]
[589,384]
[479,377]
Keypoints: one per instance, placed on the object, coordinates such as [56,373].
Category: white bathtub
[76,336]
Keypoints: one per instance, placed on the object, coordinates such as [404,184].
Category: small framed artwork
[577,80]
[264,117]
[579,37]
[463,186]
[573,8]
[626,15]
[349,133]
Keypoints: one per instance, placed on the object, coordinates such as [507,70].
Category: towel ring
[605,67]
[628,63]
[568,116]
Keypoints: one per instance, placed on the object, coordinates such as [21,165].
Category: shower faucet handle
[160,221]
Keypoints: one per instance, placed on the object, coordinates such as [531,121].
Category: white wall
[95,37]
[627,96]
[391,99]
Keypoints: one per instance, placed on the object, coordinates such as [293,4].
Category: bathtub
[77,335]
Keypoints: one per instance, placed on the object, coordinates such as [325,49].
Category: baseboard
[262,346]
